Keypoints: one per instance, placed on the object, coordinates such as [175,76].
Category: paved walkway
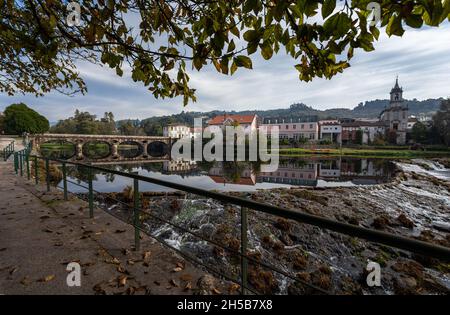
[40,234]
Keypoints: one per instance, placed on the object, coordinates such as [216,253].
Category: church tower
[395,116]
[396,94]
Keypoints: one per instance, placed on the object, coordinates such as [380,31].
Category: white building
[176,131]
[330,130]
[396,114]
[248,122]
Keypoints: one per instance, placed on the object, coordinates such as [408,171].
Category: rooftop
[242,119]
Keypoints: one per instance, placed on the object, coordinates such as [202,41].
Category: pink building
[292,128]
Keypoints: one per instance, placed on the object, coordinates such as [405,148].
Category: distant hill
[369,109]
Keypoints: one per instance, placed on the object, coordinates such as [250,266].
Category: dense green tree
[131,128]
[359,137]
[419,132]
[441,122]
[86,123]
[2,123]
[39,43]
[19,118]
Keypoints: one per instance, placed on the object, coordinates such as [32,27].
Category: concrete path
[40,234]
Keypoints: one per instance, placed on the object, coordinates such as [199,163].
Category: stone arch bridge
[149,147]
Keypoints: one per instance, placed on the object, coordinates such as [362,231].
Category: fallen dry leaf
[122,280]
[13,270]
[234,287]
[146,255]
[180,265]
[121,269]
[215,291]
[130,262]
[188,286]
[25,281]
[120,231]
[47,278]
[177,269]
[173,282]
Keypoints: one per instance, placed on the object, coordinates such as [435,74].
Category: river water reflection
[243,176]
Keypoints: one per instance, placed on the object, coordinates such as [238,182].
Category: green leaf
[338,24]
[328,7]
[251,36]
[394,26]
[414,21]
[266,50]
[243,61]
[233,68]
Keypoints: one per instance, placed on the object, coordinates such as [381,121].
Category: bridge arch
[97,149]
[158,149]
[130,149]
[58,149]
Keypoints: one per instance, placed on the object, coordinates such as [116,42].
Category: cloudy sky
[421,58]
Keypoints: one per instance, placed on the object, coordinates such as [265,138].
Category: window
[310,126]
[287,127]
[302,126]
[294,126]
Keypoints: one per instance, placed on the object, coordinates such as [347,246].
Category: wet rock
[442,226]
[207,230]
[309,195]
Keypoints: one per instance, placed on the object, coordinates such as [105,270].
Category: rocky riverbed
[312,260]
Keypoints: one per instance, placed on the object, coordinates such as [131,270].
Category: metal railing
[8,150]
[418,247]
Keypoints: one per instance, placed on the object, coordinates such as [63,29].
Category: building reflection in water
[299,172]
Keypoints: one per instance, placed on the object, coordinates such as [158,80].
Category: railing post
[36,170]
[137,236]
[244,261]
[91,194]
[47,173]
[27,159]
[21,163]
[16,163]
[64,180]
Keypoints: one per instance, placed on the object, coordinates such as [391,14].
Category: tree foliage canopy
[86,123]
[39,49]
[19,118]
[441,122]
